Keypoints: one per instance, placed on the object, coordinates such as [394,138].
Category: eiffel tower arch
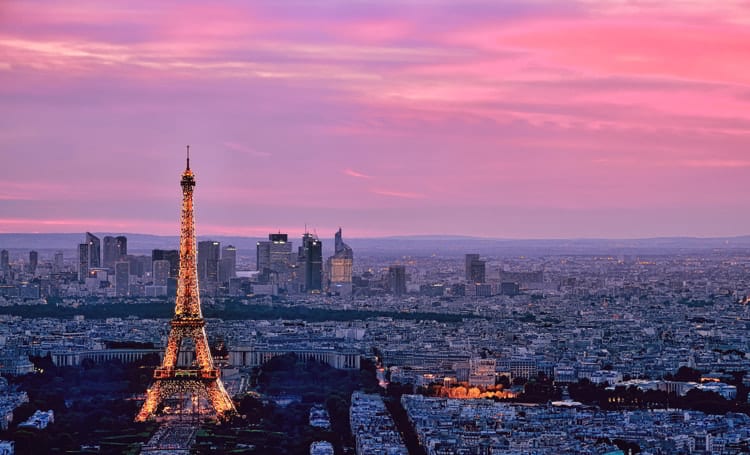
[203,379]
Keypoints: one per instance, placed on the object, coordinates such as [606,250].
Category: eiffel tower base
[163,389]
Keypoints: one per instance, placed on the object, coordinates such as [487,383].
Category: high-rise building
[310,258]
[263,256]
[209,254]
[122,278]
[397,279]
[58,263]
[114,249]
[475,269]
[83,261]
[33,261]
[173,256]
[280,252]
[160,272]
[95,251]
[228,265]
[274,254]
[4,261]
[340,265]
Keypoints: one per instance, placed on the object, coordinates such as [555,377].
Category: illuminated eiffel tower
[203,379]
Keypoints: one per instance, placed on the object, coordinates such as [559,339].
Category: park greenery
[230,310]
[274,417]
[93,406]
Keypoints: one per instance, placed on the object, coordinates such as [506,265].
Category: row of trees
[230,310]
[92,405]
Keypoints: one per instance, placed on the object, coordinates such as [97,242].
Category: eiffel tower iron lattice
[171,380]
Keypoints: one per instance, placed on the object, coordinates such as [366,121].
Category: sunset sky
[527,119]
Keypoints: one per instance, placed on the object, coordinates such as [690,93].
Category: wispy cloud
[398,194]
[592,101]
[247,150]
[359,175]
[716,163]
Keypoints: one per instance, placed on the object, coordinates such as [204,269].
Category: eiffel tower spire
[188,323]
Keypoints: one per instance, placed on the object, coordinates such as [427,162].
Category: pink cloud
[398,194]
[353,173]
[577,107]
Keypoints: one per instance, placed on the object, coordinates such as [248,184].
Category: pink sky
[527,119]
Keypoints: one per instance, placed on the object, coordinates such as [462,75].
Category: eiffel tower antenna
[171,379]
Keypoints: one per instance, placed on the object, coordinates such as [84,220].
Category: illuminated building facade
[340,266]
[203,378]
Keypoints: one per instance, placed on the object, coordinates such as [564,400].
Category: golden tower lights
[171,380]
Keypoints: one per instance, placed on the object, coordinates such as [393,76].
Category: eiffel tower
[171,380]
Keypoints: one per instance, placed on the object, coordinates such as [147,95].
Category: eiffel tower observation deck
[202,380]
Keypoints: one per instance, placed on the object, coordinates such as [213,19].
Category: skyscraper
[475,269]
[397,279]
[122,278]
[340,266]
[274,257]
[95,250]
[310,257]
[115,248]
[83,261]
[263,256]
[160,272]
[4,261]
[33,261]
[228,264]
[173,256]
[58,263]
[209,254]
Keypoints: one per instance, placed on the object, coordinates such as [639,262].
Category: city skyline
[520,120]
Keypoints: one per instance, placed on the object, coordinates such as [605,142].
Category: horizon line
[400,236]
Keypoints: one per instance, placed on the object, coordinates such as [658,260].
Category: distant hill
[422,245]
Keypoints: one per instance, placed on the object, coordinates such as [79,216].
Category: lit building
[274,254]
[340,266]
